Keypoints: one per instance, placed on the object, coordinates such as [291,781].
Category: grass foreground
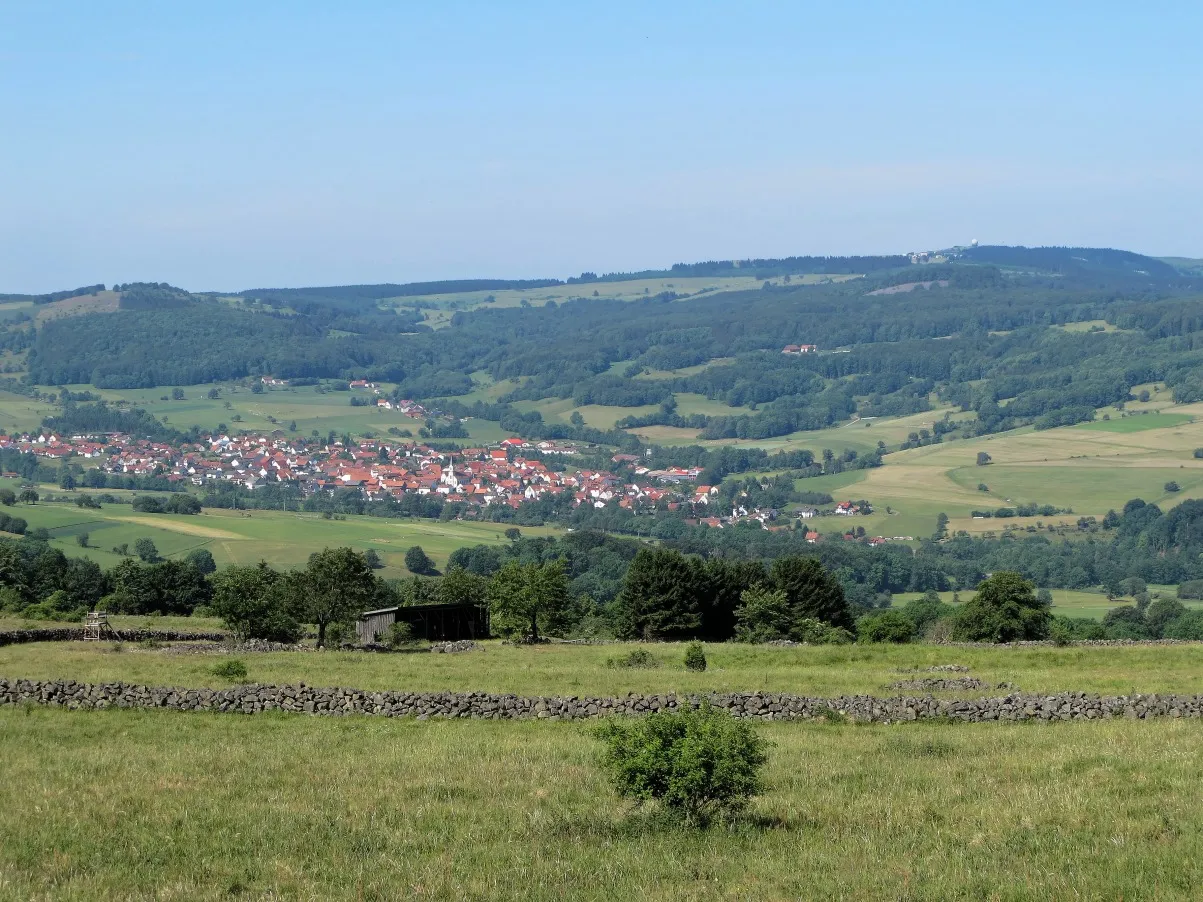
[562,670]
[161,805]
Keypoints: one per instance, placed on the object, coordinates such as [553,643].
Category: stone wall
[1077,643]
[76,633]
[254,699]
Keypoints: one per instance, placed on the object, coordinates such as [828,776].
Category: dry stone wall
[303,699]
[76,633]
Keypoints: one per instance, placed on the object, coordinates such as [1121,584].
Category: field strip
[188,529]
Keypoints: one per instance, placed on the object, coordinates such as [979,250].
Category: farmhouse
[799,349]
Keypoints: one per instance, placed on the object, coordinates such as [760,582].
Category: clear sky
[230,145]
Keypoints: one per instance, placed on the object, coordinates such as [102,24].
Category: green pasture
[283,539]
[486,389]
[301,404]
[1092,603]
[604,416]
[1137,423]
[273,409]
[19,413]
[1088,325]
[163,805]
[10,310]
[1088,489]
[861,436]
[689,403]
[584,670]
[1087,470]
[618,368]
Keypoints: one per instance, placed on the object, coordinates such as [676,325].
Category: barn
[433,622]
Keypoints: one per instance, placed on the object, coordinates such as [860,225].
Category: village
[512,473]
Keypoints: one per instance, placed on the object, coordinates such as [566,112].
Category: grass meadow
[1139,423]
[1087,469]
[284,539]
[138,804]
[301,405]
[1068,602]
[161,805]
[583,670]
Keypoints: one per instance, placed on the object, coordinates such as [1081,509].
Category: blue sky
[236,145]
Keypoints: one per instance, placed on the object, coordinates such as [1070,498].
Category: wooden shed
[433,622]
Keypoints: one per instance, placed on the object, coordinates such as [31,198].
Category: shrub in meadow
[695,657]
[697,763]
[231,669]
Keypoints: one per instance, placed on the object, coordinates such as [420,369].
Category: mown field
[583,670]
[1088,469]
[604,416]
[145,804]
[284,539]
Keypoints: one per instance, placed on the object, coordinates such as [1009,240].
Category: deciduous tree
[336,586]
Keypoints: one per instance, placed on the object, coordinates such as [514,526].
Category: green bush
[696,763]
[400,635]
[762,616]
[695,657]
[231,669]
[1125,622]
[888,626]
[925,611]
[639,658]
[1191,588]
[1060,633]
[11,600]
[1076,628]
[816,632]
[1161,613]
[1005,609]
[1188,626]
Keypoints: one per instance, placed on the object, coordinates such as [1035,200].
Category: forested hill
[369,295]
[984,336]
[1102,265]
[338,295]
